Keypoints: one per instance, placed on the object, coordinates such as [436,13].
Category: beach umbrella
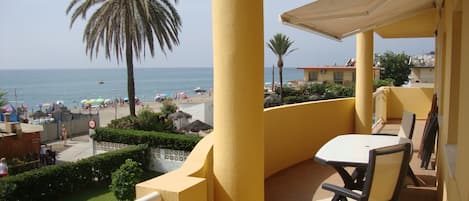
[90,101]
[83,101]
[99,101]
[197,126]
[179,115]
[59,102]
[9,108]
[107,101]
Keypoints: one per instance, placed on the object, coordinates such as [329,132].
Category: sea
[40,86]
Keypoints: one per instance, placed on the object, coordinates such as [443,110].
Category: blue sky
[36,34]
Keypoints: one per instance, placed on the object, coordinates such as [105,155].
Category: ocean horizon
[32,87]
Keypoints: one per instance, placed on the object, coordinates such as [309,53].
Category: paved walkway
[77,148]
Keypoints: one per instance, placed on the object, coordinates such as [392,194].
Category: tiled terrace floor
[303,181]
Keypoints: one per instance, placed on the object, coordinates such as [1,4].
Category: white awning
[341,18]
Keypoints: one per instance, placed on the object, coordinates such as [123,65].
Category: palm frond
[280,45]
[117,23]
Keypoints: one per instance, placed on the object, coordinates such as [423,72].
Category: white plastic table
[352,150]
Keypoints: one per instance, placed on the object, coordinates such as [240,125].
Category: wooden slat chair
[430,131]
[385,173]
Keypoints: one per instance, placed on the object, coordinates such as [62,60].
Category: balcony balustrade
[292,135]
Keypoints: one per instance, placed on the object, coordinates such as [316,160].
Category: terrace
[302,182]
[227,165]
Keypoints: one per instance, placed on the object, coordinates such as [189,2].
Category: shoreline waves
[33,87]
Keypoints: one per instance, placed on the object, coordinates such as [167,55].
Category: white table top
[353,149]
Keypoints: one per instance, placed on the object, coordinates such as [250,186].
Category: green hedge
[51,182]
[153,139]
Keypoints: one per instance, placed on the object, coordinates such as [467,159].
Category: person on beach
[3,167]
[64,134]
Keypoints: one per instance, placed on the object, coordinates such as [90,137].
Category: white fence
[161,160]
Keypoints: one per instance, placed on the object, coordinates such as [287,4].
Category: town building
[345,75]
[423,67]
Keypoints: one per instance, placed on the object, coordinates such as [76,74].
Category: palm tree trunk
[273,78]
[130,76]
[280,73]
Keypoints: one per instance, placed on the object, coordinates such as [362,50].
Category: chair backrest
[407,125]
[386,171]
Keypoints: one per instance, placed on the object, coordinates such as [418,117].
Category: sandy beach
[106,115]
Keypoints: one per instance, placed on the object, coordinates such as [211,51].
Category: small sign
[92,124]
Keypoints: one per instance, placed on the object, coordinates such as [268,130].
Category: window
[313,76]
[339,77]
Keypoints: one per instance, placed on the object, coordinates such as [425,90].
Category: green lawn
[100,193]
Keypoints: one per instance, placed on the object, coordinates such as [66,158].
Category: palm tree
[127,26]
[280,45]
[3,100]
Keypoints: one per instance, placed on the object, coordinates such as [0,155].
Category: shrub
[153,139]
[126,122]
[380,83]
[288,91]
[338,91]
[272,100]
[146,120]
[168,107]
[318,89]
[295,99]
[51,182]
[124,180]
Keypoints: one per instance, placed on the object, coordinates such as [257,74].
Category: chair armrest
[387,134]
[342,191]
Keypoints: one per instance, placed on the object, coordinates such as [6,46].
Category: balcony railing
[153,196]
[292,135]
[379,106]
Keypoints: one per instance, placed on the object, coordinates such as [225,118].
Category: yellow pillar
[364,82]
[238,55]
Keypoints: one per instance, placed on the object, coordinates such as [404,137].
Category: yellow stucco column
[238,55]
[364,82]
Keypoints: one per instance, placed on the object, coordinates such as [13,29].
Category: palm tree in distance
[127,26]
[280,45]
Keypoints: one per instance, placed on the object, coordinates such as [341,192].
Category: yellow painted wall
[294,133]
[462,163]
[417,100]
[452,64]
[328,76]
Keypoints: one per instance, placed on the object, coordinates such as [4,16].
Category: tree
[280,45]
[3,100]
[128,26]
[396,67]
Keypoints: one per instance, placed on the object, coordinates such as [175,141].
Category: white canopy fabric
[341,18]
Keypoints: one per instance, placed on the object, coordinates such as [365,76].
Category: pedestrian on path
[64,134]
